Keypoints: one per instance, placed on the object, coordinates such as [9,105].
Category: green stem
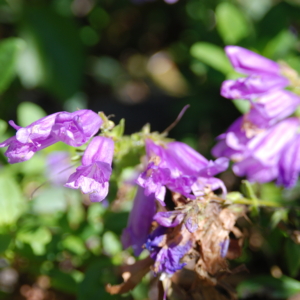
[258,202]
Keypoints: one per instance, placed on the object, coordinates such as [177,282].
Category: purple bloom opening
[139,222]
[264,75]
[167,256]
[72,128]
[93,176]
[178,167]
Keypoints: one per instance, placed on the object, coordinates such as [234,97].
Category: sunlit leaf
[231,23]
[111,243]
[212,55]
[9,50]
[36,237]
[11,201]
[28,112]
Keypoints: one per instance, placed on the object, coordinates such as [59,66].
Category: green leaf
[111,243]
[280,45]
[243,106]
[9,50]
[211,55]
[292,257]
[5,240]
[28,112]
[63,281]
[278,288]
[11,201]
[3,127]
[231,23]
[58,55]
[74,244]
[36,237]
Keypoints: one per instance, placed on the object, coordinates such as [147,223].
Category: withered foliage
[206,272]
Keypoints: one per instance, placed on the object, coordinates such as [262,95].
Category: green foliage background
[142,62]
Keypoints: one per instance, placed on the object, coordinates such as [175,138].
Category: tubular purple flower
[76,128]
[264,75]
[232,143]
[272,107]
[167,256]
[59,167]
[93,176]
[139,222]
[259,159]
[247,62]
[178,167]
[289,165]
[72,128]
[253,86]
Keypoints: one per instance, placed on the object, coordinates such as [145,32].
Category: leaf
[36,237]
[11,201]
[269,287]
[63,281]
[3,127]
[5,240]
[231,23]
[58,54]
[243,106]
[28,112]
[292,257]
[9,50]
[280,45]
[111,243]
[74,244]
[211,55]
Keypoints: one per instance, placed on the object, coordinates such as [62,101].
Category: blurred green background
[142,61]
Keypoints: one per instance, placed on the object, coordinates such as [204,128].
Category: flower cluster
[263,143]
[181,169]
[74,129]
[169,234]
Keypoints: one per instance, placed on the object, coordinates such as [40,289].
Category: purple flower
[247,62]
[139,222]
[176,217]
[167,256]
[289,165]
[258,157]
[264,75]
[93,176]
[74,129]
[169,218]
[272,107]
[59,167]
[180,168]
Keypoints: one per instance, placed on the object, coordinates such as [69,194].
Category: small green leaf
[292,257]
[74,244]
[243,106]
[5,240]
[11,201]
[9,50]
[231,23]
[118,130]
[3,127]
[28,112]
[36,237]
[211,55]
[111,243]
[275,288]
